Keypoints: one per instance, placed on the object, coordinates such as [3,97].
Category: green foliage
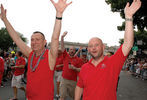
[6,41]
[141,35]
[121,41]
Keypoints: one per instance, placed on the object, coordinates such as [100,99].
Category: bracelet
[59,18]
[128,19]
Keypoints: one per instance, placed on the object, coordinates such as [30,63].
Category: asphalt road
[130,88]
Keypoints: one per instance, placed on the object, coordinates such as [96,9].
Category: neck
[39,52]
[96,61]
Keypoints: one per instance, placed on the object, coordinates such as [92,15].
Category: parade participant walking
[98,78]
[18,74]
[41,61]
[72,65]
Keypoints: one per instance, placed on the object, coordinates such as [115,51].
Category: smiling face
[95,48]
[38,42]
[72,51]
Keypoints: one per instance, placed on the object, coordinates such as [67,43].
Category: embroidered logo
[103,66]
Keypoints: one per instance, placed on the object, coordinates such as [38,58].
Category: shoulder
[86,66]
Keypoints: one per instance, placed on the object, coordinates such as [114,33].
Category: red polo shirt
[40,84]
[67,73]
[99,82]
[1,69]
[1,65]
[59,61]
[19,71]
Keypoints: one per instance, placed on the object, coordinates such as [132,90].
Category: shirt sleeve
[117,60]
[23,62]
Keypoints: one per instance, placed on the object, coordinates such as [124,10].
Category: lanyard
[31,66]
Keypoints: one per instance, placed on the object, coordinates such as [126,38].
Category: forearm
[20,66]
[61,65]
[77,52]
[78,69]
[128,36]
[78,93]
[55,37]
[75,68]
[129,32]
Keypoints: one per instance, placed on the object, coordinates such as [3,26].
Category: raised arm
[62,41]
[79,50]
[60,6]
[129,32]
[13,34]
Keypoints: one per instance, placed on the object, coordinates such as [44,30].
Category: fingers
[2,8]
[5,11]
[127,5]
[65,32]
[52,2]
[69,3]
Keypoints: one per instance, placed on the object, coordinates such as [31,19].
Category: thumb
[127,5]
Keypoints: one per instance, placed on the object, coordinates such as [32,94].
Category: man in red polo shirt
[98,78]
[1,67]
[41,62]
[72,65]
[18,74]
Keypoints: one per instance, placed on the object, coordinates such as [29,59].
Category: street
[129,88]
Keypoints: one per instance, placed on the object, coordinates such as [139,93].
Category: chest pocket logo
[103,66]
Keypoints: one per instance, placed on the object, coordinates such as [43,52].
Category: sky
[83,19]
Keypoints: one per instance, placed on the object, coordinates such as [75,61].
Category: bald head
[95,39]
[95,47]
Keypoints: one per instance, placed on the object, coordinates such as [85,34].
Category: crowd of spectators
[137,67]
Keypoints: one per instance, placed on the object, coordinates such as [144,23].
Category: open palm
[60,5]
[3,13]
[130,10]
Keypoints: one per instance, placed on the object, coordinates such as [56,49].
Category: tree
[140,17]
[5,40]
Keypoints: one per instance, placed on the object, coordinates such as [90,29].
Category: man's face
[37,42]
[95,48]
[72,51]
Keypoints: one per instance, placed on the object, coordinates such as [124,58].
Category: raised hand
[80,48]
[3,13]
[131,9]
[60,6]
[64,34]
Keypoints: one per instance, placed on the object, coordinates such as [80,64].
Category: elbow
[129,43]
[55,38]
